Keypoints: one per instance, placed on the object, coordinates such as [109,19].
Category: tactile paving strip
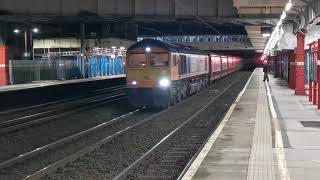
[261,155]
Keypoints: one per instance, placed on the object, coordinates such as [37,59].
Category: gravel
[60,106]
[169,160]
[34,164]
[110,159]
[24,140]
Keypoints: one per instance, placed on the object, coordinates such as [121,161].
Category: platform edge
[279,148]
[203,153]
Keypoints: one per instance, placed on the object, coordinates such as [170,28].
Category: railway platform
[40,84]
[268,133]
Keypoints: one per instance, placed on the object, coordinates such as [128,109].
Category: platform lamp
[266,31]
[32,31]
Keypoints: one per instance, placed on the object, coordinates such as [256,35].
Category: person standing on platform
[265,71]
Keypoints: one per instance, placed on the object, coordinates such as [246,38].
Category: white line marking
[284,173]
[197,162]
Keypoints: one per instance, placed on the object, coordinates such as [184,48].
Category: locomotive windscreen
[137,61]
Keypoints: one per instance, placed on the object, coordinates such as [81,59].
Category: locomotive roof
[167,46]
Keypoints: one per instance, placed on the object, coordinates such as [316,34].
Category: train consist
[160,74]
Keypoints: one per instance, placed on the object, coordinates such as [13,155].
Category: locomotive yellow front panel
[147,70]
[146,78]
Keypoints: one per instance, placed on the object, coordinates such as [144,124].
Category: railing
[26,71]
[199,38]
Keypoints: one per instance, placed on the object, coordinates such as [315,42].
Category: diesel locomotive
[160,74]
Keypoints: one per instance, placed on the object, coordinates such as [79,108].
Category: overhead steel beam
[314,21]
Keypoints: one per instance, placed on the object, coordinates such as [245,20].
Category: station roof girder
[215,8]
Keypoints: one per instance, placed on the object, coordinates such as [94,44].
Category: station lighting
[17,31]
[122,48]
[272,38]
[288,6]
[113,47]
[279,23]
[35,30]
[283,15]
[266,35]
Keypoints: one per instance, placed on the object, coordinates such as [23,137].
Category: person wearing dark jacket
[265,71]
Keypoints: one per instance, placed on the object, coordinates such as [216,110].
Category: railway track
[170,164]
[116,126]
[53,113]
[165,155]
[9,128]
[37,151]
[167,159]
[91,94]
[61,163]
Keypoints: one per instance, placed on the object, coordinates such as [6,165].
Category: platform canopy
[155,15]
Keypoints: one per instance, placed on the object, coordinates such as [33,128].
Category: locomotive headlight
[148,49]
[134,83]
[164,82]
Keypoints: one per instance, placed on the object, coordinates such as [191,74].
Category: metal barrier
[283,64]
[100,65]
[313,66]
[306,67]
[24,71]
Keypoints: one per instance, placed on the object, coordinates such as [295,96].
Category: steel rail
[130,168]
[99,91]
[207,139]
[15,125]
[63,141]
[51,168]
[18,120]
[73,157]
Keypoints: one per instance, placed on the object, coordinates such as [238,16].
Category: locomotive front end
[148,77]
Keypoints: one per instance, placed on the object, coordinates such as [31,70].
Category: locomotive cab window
[159,60]
[137,61]
[173,60]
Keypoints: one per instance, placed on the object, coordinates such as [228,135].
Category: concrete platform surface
[268,134]
[53,83]
[300,126]
[244,148]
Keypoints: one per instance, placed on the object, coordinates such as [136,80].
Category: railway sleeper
[173,156]
[146,177]
[161,171]
[163,166]
[170,161]
[178,152]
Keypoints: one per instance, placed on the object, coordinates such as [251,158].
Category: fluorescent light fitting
[288,6]
[279,23]
[266,35]
[35,30]
[16,31]
[283,15]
